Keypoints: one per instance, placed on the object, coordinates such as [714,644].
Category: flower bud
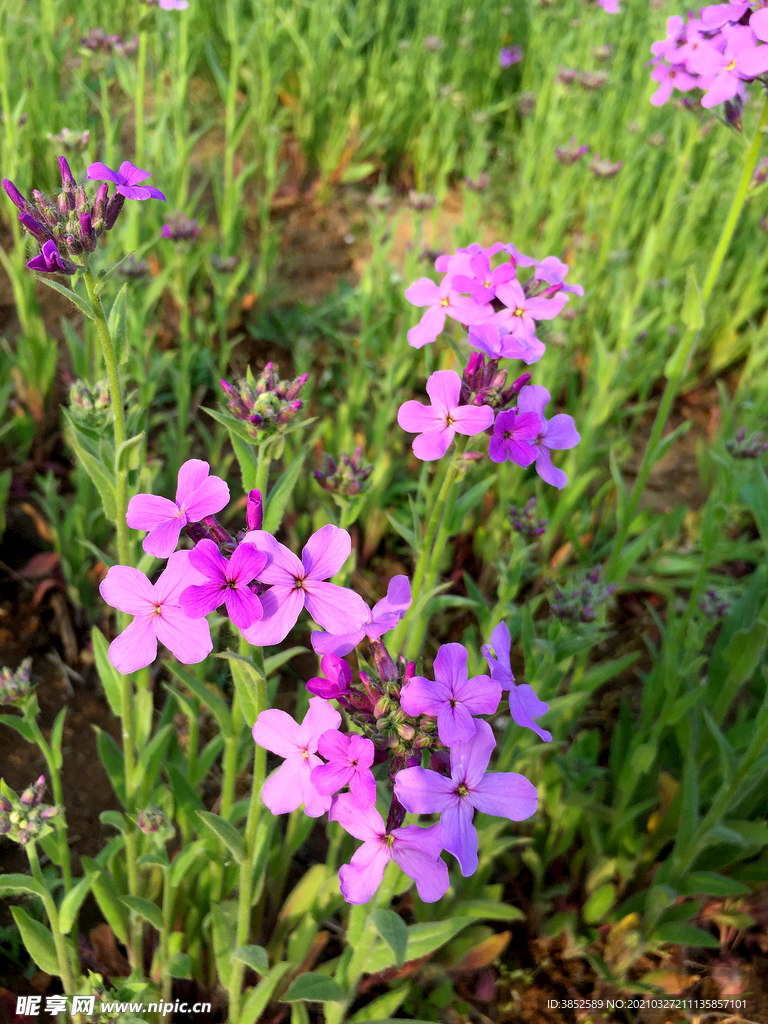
[383,707]
[14,684]
[112,212]
[254,510]
[40,231]
[32,796]
[151,820]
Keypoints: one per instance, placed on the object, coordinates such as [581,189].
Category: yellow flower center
[731,66]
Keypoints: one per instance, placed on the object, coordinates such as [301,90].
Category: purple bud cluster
[180,228]
[742,447]
[70,140]
[89,404]
[151,820]
[25,818]
[717,52]
[571,153]
[524,521]
[15,684]
[96,39]
[265,404]
[580,601]
[345,477]
[714,603]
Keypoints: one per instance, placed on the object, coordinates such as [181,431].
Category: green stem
[245,887]
[59,821]
[676,371]
[165,934]
[141,72]
[62,956]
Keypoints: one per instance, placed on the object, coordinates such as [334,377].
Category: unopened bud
[254,510]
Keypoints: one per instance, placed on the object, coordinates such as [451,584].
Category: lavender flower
[50,261]
[524,521]
[347,477]
[742,448]
[571,153]
[579,601]
[15,686]
[265,404]
[126,180]
[510,55]
[180,228]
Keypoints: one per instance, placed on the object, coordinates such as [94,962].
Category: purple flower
[452,698]
[609,6]
[524,705]
[669,78]
[740,61]
[298,583]
[510,55]
[158,615]
[338,677]
[197,496]
[126,180]
[415,850]
[484,281]
[571,153]
[443,300]
[522,312]
[437,424]
[291,785]
[50,261]
[502,794]
[227,583]
[512,433]
[349,762]
[554,271]
[556,434]
[254,510]
[174,5]
[496,341]
[385,616]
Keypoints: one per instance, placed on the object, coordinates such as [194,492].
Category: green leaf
[13,885]
[685,935]
[181,864]
[247,680]
[126,451]
[313,987]
[356,172]
[254,957]
[387,1003]
[112,758]
[6,478]
[153,755]
[77,300]
[276,661]
[179,966]
[468,501]
[488,910]
[423,939]
[102,477]
[109,899]
[23,728]
[56,734]
[393,930]
[38,941]
[259,997]
[227,833]
[118,323]
[693,309]
[280,494]
[223,942]
[146,909]
[710,883]
[108,674]
[212,701]
[599,903]
[153,860]
[72,902]
[115,819]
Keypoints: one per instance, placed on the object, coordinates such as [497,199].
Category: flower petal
[130,174]
[459,836]
[455,724]
[443,388]
[422,791]
[337,609]
[320,718]
[179,573]
[472,419]
[136,647]
[128,589]
[422,696]
[433,444]
[277,731]
[561,432]
[283,791]
[325,552]
[330,778]
[283,567]
[243,607]
[189,639]
[281,607]
[450,665]
[360,879]
[197,602]
[415,417]
[429,873]
[469,761]
[428,328]
[100,172]
[524,706]
[246,563]
[506,795]
[146,511]
[206,500]
[361,822]
[208,560]
[330,643]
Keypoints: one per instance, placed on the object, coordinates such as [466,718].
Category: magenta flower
[50,261]
[609,6]
[349,763]
[554,271]
[717,15]
[415,850]
[452,698]
[338,677]
[521,314]
[740,61]
[298,583]
[443,300]
[227,583]
[670,78]
[438,424]
[174,5]
[521,260]
[385,616]
[512,433]
[126,180]
[158,615]
[496,341]
[459,262]
[509,55]
[197,496]
[483,281]
[502,794]
[291,785]
[524,705]
[556,434]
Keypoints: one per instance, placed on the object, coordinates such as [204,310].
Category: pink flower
[197,496]
[483,281]
[496,341]
[554,271]
[157,613]
[385,616]
[349,762]
[338,677]
[741,61]
[609,6]
[298,583]
[443,300]
[291,785]
[226,583]
[558,433]
[126,180]
[438,424]
[415,850]
[524,705]
[521,314]
[512,433]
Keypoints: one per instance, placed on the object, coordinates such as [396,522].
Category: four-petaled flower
[385,616]
[524,705]
[443,300]
[158,615]
[415,850]
[483,283]
[197,495]
[512,433]
[558,433]
[126,180]
[227,583]
[299,583]
[349,763]
[452,698]
[521,312]
[503,794]
[291,785]
[338,677]
[438,424]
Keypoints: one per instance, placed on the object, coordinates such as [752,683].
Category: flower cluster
[501,314]
[347,477]
[25,818]
[718,52]
[264,404]
[742,447]
[397,720]
[15,684]
[90,404]
[579,601]
[180,228]
[524,520]
[72,221]
[96,39]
